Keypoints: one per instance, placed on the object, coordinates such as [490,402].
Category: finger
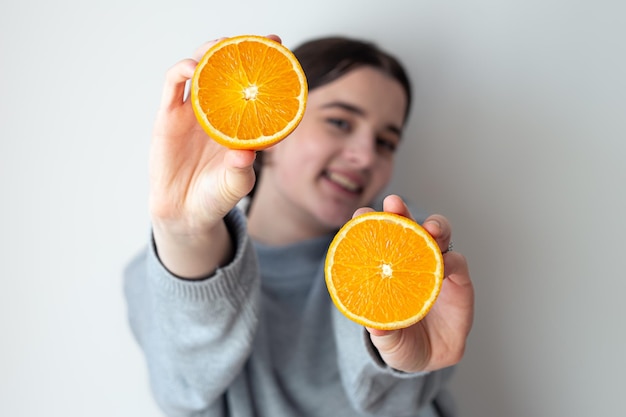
[456,268]
[385,340]
[440,229]
[240,159]
[239,175]
[378,332]
[457,291]
[274,38]
[362,210]
[175,80]
[394,204]
[201,50]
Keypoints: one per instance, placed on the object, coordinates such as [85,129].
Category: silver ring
[450,247]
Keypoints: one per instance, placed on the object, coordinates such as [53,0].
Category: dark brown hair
[326,59]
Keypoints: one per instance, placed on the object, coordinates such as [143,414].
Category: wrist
[193,255]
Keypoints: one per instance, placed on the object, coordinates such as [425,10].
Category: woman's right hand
[194,182]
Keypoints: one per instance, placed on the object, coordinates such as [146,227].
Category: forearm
[196,335]
[372,386]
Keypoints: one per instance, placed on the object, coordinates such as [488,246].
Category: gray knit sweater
[261,338]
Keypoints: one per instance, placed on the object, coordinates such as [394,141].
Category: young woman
[229,303]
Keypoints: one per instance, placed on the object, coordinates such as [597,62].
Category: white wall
[518,135]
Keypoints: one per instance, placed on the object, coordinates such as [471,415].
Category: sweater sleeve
[195,335]
[375,388]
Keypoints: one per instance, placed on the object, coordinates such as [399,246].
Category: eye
[386,145]
[340,124]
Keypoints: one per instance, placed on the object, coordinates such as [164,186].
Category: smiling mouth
[344,182]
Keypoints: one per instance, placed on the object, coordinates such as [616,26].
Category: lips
[344,181]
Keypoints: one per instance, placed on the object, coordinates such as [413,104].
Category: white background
[518,135]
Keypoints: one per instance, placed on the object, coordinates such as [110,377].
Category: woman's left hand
[438,340]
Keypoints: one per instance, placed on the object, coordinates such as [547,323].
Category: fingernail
[435,222]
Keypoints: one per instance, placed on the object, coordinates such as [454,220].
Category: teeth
[345,182]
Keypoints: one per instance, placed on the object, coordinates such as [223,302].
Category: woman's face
[341,155]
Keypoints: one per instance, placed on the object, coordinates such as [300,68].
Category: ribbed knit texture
[261,338]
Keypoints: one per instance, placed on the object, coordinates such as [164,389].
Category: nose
[360,150]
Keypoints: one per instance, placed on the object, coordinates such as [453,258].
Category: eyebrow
[360,112]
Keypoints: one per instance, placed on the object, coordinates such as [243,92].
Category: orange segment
[248,92]
[384,271]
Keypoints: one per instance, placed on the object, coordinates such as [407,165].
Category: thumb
[378,332]
[385,340]
[239,176]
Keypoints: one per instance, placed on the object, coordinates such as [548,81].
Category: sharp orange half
[384,270]
[248,92]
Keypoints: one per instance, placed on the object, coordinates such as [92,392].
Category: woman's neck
[273,220]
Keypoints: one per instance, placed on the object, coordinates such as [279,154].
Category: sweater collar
[295,261]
